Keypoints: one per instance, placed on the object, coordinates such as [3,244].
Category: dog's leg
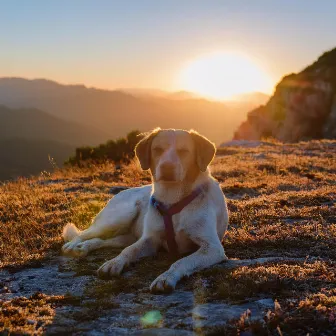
[115,219]
[207,255]
[83,248]
[144,247]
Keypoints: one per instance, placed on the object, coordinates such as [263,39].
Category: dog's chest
[184,243]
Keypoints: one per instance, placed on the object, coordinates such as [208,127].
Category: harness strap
[167,214]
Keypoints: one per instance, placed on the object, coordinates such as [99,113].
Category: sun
[222,75]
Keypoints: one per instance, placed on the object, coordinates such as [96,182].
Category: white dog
[183,210]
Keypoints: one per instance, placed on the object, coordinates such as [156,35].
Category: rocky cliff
[303,106]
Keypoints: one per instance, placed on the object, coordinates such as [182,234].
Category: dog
[141,219]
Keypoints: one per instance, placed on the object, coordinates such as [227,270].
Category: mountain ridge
[116,112]
[32,123]
[303,106]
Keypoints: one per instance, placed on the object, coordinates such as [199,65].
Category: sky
[146,44]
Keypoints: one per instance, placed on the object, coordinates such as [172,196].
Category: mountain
[303,106]
[24,157]
[143,92]
[161,93]
[116,112]
[28,137]
[35,124]
[257,98]
[46,118]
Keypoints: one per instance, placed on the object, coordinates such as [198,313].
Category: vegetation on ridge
[120,150]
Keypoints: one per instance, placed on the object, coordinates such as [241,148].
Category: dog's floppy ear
[205,150]
[143,149]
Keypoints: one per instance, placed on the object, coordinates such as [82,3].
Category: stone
[218,314]
[329,130]
[174,314]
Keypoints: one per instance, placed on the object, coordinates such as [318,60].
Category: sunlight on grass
[281,201]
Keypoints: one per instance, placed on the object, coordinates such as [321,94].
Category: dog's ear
[143,148]
[205,150]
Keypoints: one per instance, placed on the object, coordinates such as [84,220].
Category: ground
[281,200]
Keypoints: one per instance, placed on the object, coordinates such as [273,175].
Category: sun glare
[222,75]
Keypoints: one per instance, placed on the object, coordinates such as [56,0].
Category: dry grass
[30,316]
[33,211]
[282,203]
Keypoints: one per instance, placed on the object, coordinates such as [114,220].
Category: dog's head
[175,155]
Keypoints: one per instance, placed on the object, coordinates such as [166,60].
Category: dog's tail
[70,231]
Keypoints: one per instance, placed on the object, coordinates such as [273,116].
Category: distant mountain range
[34,124]
[116,113]
[73,115]
[257,98]
[29,137]
[178,95]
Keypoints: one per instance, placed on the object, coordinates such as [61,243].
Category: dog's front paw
[73,248]
[111,268]
[164,283]
[81,250]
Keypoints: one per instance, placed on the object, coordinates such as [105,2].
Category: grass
[33,211]
[281,200]
[27,316]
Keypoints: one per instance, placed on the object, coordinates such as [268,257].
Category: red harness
[167,214]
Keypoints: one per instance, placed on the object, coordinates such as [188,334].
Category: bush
[120,150]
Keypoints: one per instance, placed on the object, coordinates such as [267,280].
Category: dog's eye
[183,151]
[158,150]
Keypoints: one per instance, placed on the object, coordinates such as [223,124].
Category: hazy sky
[144,43]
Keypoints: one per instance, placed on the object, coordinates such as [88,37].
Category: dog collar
[168,212]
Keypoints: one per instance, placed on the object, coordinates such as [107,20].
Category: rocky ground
[282,229]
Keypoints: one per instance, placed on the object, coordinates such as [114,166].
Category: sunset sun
[222,75]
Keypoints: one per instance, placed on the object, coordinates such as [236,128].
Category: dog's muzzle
[167,172]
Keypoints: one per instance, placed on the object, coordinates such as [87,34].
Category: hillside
[34,124]
[281,200]
[28,137]
[23,157]
[118,112]
[303,106]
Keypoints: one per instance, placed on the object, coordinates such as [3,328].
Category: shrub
[120,150]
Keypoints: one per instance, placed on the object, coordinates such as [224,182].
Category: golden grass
[281,200]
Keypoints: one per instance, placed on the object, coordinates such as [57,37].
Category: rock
[329,130]
[218,314]
[65,275]
[137,312]
[303,106]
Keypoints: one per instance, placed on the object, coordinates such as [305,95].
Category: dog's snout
[167,166]
[167,171]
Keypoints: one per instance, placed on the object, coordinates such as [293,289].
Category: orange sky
[148,44]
